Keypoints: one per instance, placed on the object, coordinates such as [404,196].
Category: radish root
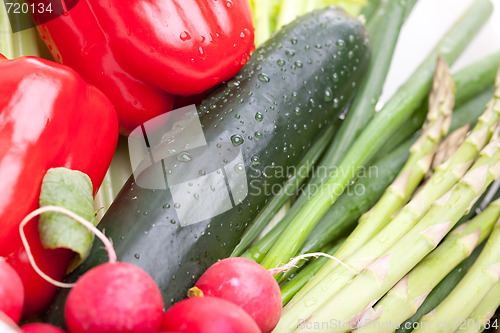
[293,262]
[107,243]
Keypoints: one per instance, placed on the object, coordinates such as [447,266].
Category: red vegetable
[50,117]
[114,297]
[40,328]
[11,291]
[208,314]
[138,52]
[246,284]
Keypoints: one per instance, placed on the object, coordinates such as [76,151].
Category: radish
[246,284]
[11,291]
[110,298]
[40,328]
[208,314]
[114,297]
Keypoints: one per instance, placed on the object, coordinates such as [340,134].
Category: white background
[428,22]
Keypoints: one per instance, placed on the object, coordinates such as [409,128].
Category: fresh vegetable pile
[301,208]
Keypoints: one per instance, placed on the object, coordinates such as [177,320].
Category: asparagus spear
[449,146]
[443,289]
[479,319]
[334,278]
[406,297]
[440,292]
[387,121]
[470,291]
[353,303]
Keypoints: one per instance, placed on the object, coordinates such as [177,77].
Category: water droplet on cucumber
[237,140]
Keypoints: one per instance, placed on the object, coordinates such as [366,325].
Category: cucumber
[292,87]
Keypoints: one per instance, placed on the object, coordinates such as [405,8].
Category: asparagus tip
[450,145]
[441,99]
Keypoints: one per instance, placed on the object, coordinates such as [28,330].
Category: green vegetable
[444,178]
[291,9]
[23,43]
[383,273]
[384,33]
[268,115]
[470,291]
[467,113]
[406,297]
[300,279]
[479,319]
[473,80]
[289,187]
[439,293]
[369,10]
[387,121]
[441,104]
[264,17]
[443,289]
[72,190]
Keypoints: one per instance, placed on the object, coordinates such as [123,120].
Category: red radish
[11,291]
[114,297]
[208,314]
[111,298]
[246,284]
[40,328]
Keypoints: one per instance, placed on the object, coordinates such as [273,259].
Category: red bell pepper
[138,52]
[49,117]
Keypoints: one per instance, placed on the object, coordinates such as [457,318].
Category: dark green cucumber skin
[318,77]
